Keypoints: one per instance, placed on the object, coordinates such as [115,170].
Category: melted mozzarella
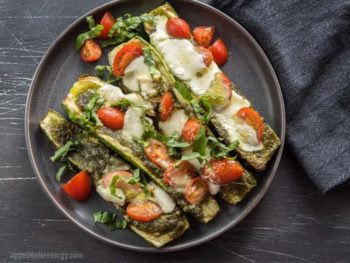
[138,78]
[133,126]
[111,94]
[162,198]
[175,123]
[200,83]
[105,193]
[161,32]
[213,188]
[236,128]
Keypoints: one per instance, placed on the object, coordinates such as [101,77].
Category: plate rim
[178,247]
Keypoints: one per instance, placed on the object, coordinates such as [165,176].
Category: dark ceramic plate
[61,67]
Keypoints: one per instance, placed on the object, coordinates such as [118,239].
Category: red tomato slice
[178,28]
[196,190]
[206,54]
[203,35]
[166,106]
[219,51]
[157,152]
[179,176]
[112,118]
[144,212]
[107,22]
[190,130]
[125,56]
[122,183]
[253,119]
[90,51]
[223,171]
[78,187]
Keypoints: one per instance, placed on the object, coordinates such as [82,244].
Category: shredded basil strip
[191,156]
[112,188]
[126,27]
[91,22]
[151,133]
[174,141]
[60,172]
[93,33]
[63,151]
[144,185]
[183,90]
[91,107]
[110,219]
[135,178]
[203,110]
[220,150]
[200,142]
[148,59]
[123,103]
[105,73]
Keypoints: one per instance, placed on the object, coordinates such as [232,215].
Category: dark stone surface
[292,223]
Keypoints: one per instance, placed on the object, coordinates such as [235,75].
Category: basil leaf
[122,224]
[110,219]
[123,103]
[63,151]
[200,142]
[173,141]
[144,186]
[60,172]
[183,90]
[190,156]
[135,178]
[105,73]
[203,111]
[112,188]
[93,33]
[91,107]
[148,59]
[151,133]
[91,22]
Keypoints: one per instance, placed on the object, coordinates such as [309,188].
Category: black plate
[249,67]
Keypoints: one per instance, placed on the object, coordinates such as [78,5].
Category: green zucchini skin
[257,159]
[233,193]
[203,212]
[97,159]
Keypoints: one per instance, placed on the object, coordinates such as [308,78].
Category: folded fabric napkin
[308,43]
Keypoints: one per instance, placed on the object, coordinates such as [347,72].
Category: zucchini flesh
[97,159]
[133,152]
[255,159]
[232,193]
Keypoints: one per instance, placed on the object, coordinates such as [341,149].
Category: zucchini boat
[233,117]
[147,75]
[97,106]
[107,169]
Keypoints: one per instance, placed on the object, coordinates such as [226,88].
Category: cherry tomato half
[180,175]
[157,153]
[196,190]
[107,22]
[219,51]
[144,212]
[125,56]
[78,187]
[178,28]
[112,118]
[203,35]
[253,119]
[90,51]
[166,106]
[222,171]
[190,130]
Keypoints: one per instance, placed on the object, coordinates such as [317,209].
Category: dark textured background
[292,223]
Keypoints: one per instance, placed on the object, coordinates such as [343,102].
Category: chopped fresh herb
[60,172]
[135,178]
[123,103]
[63,151]
[148,59]
[113,189]
[92,33]
[82,121]
[220,150]
[175,142]
[183,90]
[200,142]
[91,107]
[203,110]
[151,133]
[126,27]
[105,73]
[191,156]
[144,185]
[91,22]
[110,219]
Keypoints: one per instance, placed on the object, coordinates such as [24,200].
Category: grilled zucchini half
[149,76]
[98,160]
[129,141]
[233,117]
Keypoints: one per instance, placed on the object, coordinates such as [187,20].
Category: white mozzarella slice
[200,83]
[111,94]
[105,193]
[162,198]
[133,127]
[175,123]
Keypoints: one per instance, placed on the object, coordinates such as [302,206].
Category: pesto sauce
[84,98]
